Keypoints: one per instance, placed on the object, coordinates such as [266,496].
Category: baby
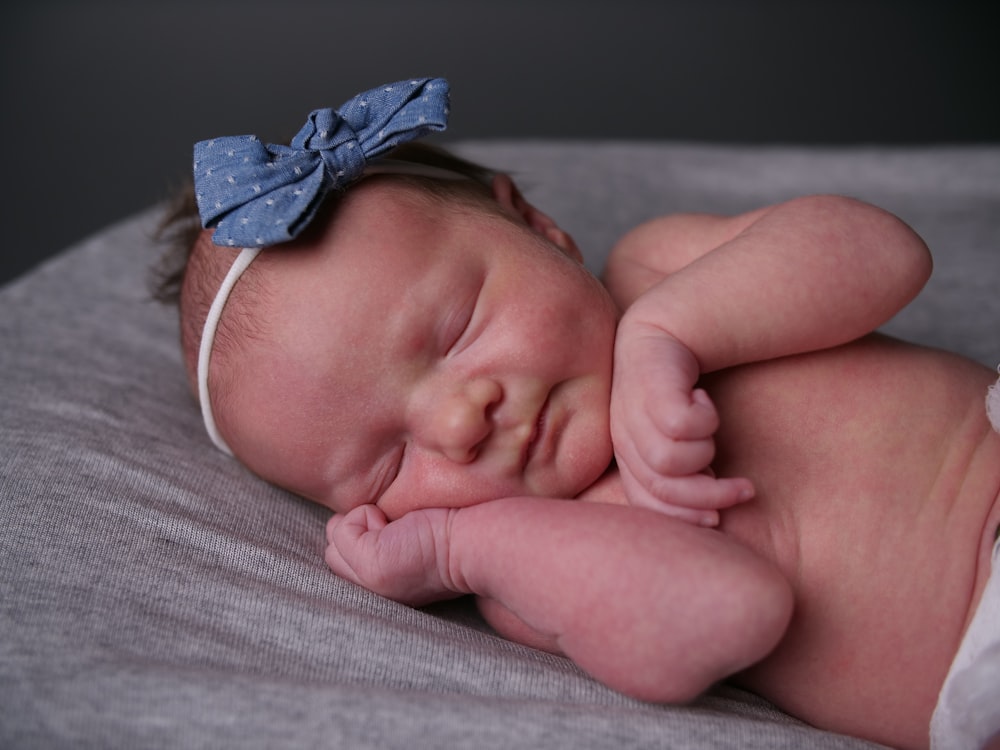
[425,354]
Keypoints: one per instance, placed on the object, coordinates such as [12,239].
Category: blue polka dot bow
[257,195]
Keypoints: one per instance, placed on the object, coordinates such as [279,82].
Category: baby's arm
[804,275]
[706,293]
[651,606]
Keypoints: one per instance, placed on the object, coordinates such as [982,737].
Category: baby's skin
[877,477]
[797,504]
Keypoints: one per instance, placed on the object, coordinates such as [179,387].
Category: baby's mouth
[537,436]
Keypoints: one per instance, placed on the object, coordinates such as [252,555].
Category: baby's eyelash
[468,314]
[466,320]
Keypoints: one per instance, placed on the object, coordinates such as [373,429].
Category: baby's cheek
[589,453]
[456,487]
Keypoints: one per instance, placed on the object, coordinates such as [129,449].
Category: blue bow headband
[256,195]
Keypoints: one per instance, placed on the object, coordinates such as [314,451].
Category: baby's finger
[356,521]
[702,491]
[331,526]
[683,417]
[676,458]
[346,533]
[638,497]
[698,490]
[334,557]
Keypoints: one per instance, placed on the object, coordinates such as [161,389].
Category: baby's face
[420,355]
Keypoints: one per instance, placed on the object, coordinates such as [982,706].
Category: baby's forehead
[378,228]
[382,251]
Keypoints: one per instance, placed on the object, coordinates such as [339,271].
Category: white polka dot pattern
[256,194]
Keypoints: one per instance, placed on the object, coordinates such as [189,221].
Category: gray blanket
[154,594]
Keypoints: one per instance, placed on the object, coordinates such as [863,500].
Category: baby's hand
[663,431]
[406,560]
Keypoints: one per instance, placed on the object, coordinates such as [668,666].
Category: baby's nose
[461,419]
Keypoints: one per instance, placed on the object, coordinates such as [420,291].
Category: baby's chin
[584,471]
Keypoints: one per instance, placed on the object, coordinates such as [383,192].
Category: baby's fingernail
[709,520]
[746,493]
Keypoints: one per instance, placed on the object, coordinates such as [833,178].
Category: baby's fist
[406,560]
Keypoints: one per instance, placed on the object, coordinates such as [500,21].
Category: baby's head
[425,342]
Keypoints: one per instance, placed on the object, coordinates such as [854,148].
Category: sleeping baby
[704,466]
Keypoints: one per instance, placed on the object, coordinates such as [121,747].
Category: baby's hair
[180,226]
[192,268]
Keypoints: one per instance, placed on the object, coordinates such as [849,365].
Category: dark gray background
[102,100]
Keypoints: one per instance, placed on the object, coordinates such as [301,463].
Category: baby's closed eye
[459,328]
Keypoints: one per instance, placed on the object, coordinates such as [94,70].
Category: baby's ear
[507,195]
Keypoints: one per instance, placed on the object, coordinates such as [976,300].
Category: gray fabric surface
[153,594]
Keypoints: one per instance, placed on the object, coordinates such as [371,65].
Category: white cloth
[993,405]
[968,709]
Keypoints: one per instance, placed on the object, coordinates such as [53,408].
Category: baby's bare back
[877,475]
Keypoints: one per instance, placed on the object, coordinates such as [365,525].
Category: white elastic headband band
[243,260]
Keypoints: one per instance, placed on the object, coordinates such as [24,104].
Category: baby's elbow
[921,263]
[757,618]
[748,620]
[888,245]
[907,257]
[751,621]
